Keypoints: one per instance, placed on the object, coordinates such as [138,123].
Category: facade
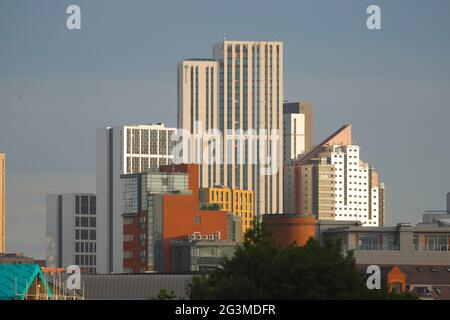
[287,229]
[239,202]
[161,216]
[2,202]
[198,110]
[399,245]
[123,150]
[71,231]
[448,202]
[248,93]
[331,182]
[200,255]
[297,129]
[441,218]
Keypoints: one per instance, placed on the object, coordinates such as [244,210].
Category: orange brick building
[173,213]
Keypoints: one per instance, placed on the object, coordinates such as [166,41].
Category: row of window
[85,247]
[85,235]
[85,205]
[85,260]
[85,222]
[140,142]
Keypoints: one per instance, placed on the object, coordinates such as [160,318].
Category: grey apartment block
[424,244]
[71,231]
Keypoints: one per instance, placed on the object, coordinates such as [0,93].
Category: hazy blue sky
[57,86]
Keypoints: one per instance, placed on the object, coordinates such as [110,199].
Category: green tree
[260,269]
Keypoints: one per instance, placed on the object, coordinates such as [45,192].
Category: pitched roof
[426,275]
[341,136]
[134,286]
[16,279]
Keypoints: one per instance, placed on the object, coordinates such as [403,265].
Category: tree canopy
[260,269]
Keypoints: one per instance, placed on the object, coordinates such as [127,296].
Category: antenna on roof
[276,37]
[224,36]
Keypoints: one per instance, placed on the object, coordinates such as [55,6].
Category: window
[84,204]
[92,205]
[84,234]
[84,222]
[396,287]
[127,221]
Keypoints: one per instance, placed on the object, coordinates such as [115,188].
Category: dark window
[84,204]
[77,204]
[92,205]
[92,235]
[92,222]
[84,235]
[84,222]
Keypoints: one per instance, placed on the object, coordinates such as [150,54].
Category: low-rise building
[399,245]
[194,254]
[428,282]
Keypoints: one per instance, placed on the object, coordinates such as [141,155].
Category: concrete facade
[297,129]
[249,99]
[121,150]
[331,182]
[399,245]
[71,231]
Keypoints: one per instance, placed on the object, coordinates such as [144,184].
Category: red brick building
[169,213]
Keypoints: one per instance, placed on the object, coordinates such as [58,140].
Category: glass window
[84,204]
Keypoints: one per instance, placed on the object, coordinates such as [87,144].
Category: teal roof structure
[16,280]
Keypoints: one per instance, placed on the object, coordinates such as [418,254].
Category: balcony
[431,248]
[369,247]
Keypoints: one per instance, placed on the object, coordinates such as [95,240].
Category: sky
[58,85]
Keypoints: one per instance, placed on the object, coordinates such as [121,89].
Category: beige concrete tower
[251,98]
[239,92]
[198,110]
[2,201]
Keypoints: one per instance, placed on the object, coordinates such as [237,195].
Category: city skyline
[58,87]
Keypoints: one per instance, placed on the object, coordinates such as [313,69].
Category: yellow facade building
[239,202]
[2,202]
